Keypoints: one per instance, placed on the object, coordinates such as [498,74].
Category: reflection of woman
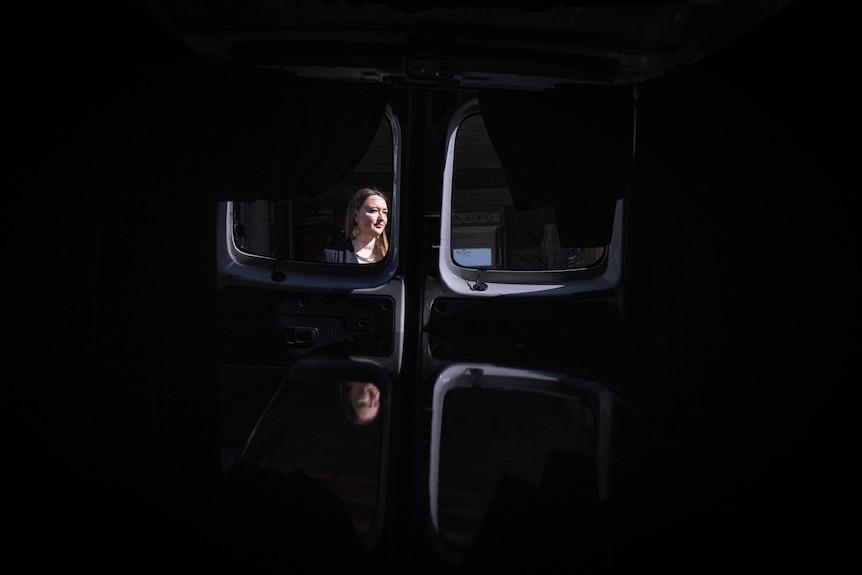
[360,401]
[365,226]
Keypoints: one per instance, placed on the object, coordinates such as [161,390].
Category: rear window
[491,246]
[279,244]
[486,229]
[297,229]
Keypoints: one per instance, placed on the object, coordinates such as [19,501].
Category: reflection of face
[364,398]
[371,217]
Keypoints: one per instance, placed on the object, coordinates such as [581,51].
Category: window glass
[331,432]
[487,231]
[299,228]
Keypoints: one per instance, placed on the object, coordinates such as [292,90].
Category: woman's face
[364,398]
[371,217]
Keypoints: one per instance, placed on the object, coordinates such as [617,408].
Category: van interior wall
[738,295]
[738,306]
[112,247]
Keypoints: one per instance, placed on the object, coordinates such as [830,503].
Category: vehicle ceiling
[507,43]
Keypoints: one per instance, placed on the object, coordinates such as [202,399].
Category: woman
[365,227]
[359,400]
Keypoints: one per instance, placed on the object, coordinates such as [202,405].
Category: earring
[355,231]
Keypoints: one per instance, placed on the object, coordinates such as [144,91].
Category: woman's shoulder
[336,253]
[342,245]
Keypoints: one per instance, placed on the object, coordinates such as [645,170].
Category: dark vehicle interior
[613,329]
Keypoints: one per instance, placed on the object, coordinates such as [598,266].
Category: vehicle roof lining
[646,38]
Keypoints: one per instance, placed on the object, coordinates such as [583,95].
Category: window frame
[484,282]
[493,376]
[239,268]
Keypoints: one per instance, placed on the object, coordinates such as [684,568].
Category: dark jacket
[340,253]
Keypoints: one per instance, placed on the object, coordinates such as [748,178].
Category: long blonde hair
[381,246]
